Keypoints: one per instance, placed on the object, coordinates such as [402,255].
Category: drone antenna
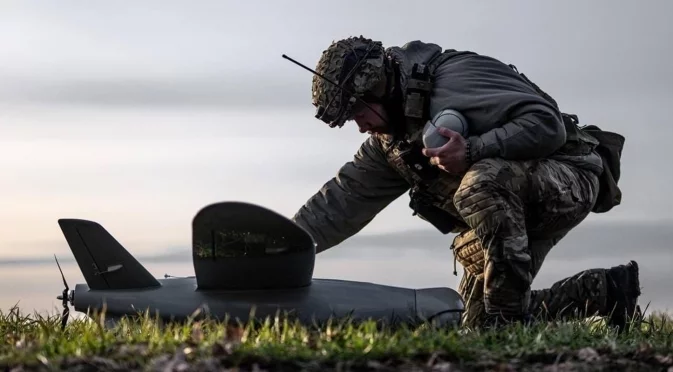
[335,84]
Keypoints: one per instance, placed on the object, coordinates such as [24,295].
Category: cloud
[590,240]
[222,91]
[216,57]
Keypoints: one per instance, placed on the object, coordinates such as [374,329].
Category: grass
[36,342]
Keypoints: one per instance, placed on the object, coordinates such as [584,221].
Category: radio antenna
[335,84]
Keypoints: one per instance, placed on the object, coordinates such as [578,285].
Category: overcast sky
[180,104]
[228,53]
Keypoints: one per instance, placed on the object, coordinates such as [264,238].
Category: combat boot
[622,294]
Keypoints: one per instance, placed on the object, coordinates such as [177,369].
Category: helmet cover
[355,63]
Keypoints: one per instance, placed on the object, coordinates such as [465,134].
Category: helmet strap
[392,101]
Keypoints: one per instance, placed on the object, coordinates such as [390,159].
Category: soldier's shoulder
[373,148]
[380,141]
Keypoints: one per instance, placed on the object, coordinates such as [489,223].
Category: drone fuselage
[177,299]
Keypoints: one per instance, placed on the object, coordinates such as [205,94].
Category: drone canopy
[238,245]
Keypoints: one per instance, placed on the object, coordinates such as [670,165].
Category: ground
[34,342]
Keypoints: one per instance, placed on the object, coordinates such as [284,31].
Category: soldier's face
[369,122]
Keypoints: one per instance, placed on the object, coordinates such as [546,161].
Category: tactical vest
[432,190]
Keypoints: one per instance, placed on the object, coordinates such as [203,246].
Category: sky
[137,117]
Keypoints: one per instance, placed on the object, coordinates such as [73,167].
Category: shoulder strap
[418,91]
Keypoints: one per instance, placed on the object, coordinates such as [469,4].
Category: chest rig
[432,190]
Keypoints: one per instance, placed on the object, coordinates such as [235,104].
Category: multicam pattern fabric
[358,81]
[439,189]
[517,211]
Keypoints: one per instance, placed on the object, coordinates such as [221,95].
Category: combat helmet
[357,64]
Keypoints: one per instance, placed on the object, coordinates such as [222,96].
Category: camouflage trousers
[516,212]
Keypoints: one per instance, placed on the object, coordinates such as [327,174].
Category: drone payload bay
[248,261]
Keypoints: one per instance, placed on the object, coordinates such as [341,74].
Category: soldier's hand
[449,157]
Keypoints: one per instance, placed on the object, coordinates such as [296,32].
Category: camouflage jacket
[507,118]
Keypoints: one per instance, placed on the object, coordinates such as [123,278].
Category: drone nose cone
[69,296]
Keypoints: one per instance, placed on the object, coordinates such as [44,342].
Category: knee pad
[479,181]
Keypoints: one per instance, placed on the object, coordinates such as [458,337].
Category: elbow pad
[447,118]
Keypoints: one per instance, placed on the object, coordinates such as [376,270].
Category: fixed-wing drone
[247,260]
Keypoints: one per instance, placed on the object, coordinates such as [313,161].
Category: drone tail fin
[104,262]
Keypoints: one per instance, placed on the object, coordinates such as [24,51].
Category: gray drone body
[248,260]
[447,118]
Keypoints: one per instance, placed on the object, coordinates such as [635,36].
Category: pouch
[468,251]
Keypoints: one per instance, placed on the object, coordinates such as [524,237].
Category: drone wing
[104,262]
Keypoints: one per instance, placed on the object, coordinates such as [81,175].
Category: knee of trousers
[489,202]
[488,194]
